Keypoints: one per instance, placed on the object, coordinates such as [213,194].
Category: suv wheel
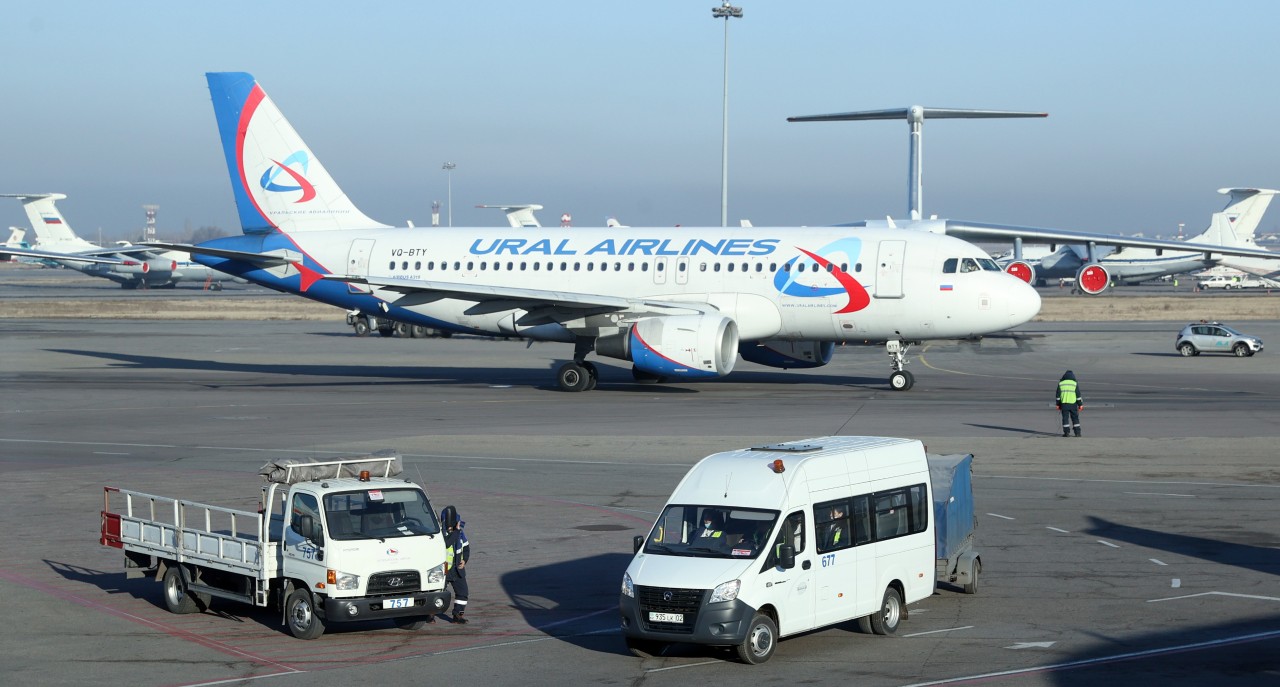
[1241,350]
[1186,349]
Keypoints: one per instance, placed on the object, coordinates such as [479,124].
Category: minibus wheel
[886,620]
[761,639]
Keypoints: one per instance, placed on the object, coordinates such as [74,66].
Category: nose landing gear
[899,379]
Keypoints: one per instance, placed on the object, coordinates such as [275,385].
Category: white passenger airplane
[678,303]
[1091,274]
[1234,226]
[129,265]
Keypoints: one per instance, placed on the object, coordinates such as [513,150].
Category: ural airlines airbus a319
[677,303]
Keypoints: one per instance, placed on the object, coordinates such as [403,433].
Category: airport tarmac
[1144,552]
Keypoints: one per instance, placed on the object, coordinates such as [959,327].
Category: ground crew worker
[457,552]
[1070,401]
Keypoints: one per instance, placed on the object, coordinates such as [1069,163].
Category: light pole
[449,167]
[725,11]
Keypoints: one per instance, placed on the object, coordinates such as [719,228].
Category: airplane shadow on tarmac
[611,378]
[565,599]
[1263,556]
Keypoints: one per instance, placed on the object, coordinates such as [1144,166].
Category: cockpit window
[989,265]
[969,265]
[949,266]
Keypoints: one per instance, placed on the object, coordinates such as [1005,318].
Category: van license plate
[397,603]
[666,617]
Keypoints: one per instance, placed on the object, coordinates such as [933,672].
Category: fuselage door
[358,264]
[889,265]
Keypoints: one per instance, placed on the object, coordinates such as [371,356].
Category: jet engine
[1022,270]
[788,354]
[1093,279]
[677,346]
[131,266]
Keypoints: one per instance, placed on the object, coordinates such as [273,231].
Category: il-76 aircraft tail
[677,303]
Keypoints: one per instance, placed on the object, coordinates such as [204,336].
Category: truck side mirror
[786,556]
[305,526]
[636,542]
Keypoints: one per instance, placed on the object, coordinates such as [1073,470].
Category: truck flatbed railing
[184,531]
[291,471]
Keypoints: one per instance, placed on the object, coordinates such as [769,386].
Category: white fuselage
[829,284]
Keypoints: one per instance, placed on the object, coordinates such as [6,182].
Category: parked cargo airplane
[1233,226]
[678,303]
[1092,273]
[129,265]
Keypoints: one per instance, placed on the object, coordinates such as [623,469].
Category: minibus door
[792,590]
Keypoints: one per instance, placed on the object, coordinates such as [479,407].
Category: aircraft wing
[271,259]
[564,305]
[978,231]
[70,257]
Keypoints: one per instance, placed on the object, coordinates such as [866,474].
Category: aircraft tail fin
[1236,223]
[49,226]
[17,236]
[277,181]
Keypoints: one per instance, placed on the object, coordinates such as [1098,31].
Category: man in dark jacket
[1070,401]
[457,552]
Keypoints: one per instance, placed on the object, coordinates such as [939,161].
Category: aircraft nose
[1024,302]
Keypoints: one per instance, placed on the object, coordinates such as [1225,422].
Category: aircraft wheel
[573,377]
[362,327]
[593,375]
[386,331]
[419,332]
[901,380]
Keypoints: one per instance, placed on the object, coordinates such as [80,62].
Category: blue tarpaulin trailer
[954,522]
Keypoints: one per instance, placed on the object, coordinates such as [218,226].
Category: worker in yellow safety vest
[1070,401]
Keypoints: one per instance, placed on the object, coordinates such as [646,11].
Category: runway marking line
[933,632]
[1107,543]
[1057,529]
[1230,594]
[1002,517]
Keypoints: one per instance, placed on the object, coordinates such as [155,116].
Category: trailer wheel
[176,597]
[300,611]
[971,587]
[762,638]
[644,648]
[886,620]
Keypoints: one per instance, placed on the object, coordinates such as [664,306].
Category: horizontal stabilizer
[916,112]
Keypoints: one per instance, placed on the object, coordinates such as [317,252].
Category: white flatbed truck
[330,543]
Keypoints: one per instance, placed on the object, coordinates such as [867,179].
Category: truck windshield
[379,513]
[711,532]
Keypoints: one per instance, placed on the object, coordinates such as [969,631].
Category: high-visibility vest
[1067,392]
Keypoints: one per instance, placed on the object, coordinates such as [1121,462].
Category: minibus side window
[861,520]
[891,514]
[919,509]
[831,525]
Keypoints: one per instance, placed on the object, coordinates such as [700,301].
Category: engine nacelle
[788,355]
[679,346]
[1022,270]
[1093,279]
[149,267]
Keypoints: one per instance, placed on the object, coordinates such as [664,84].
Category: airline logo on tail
[790,281]
[299,158]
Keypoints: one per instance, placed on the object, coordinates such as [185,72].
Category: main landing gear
[578,375]
[899,379]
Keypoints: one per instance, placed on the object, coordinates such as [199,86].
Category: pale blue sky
[613,109]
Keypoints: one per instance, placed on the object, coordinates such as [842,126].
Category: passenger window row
[868,518]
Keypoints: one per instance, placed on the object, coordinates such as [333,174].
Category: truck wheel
[644,648]
[761,640]
[176,597]
[300,611]
[362,327]
[886,620]
[974,570]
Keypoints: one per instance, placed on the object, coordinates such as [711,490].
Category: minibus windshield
[711,531]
